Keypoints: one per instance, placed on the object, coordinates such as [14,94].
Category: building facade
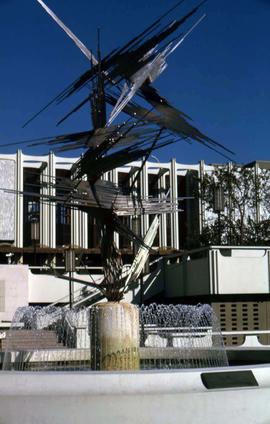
[60,227]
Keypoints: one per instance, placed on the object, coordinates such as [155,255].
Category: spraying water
[180,336]
[56,338]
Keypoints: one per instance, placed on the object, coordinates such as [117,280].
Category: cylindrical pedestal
[114,336]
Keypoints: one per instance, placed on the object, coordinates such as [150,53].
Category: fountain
[69,366]
[182,363]
[121,79]
[101,338]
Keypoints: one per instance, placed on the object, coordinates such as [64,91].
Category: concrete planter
[115,337]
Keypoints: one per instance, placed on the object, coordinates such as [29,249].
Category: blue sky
[219,76]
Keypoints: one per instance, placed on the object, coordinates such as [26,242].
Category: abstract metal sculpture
[122,79]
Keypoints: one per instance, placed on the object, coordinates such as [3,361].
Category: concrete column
[52,205]
[174,197]
[84,230]
[79,229]
[84,226]
[19,200]
[132,175]
[144,194]
[75,238]
[44,204]
[114,179]
[162,226]
[201,203]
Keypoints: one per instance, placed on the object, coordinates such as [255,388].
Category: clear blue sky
[219,76]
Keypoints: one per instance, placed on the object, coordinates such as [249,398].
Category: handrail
[49,268]
[245,333]
[93,293]
[61,300]
[153,329]
[67,320]
[212,247]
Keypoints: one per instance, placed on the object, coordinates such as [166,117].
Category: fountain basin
[239,394]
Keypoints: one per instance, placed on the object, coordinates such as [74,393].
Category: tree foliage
[246,216]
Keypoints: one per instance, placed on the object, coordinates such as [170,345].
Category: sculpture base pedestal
[115,337]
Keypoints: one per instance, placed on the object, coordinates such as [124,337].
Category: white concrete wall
[225,270]
[220,271]
[19,287]
[245,271]
[49,289]
[13,289]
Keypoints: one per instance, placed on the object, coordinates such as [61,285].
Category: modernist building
[60,227]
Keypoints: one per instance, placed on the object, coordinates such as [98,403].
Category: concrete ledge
[16,383]
[160,397]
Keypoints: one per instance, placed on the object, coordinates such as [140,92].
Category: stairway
[24,340]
